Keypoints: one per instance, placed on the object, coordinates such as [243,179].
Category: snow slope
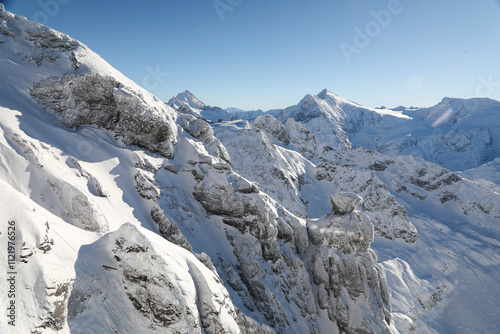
[130,218]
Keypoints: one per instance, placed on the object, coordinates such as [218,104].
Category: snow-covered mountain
[129,215]
[125,215]
[249,115]
[436,232]
[187,103]
[457,134]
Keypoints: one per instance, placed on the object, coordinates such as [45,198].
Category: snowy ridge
[155,231]
[450,219]
[456,133]
[248,115]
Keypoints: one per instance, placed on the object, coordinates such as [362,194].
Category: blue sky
[269,53]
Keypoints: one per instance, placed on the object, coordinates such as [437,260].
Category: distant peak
[323,94]
[449,100]
[307,98]
[2,8]
[188,96]
[185,93]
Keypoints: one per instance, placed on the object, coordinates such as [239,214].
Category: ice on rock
[344,203]
[95,99]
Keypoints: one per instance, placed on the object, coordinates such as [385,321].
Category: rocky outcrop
[344,203]
[274,246]
[148,189]
[93,99]
[203,132]
[292,180]
[47,45]
[388,216]
[160,287]
[343,268]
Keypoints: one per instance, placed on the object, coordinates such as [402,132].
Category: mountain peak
[447,99]
[325,93]
[2,8]
[333,98]
[186,92]
[187,95]
[188,99]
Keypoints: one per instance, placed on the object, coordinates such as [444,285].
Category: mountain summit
[186,99]
[187,102]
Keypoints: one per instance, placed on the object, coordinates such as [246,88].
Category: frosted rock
[350,233]
[344,203]
[272,126]
[93,99]
[168,230]
[2,8]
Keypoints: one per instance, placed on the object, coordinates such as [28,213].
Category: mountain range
[125,214]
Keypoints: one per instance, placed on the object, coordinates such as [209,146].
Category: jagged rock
[273,127]
[168,230]
[344,203]
[197,128]
[146,186]
[389,218]
[146,282]
[93,99]
[343,268]
[352,232]
[57,316]
[250,326]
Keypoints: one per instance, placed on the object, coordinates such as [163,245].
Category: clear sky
[268,54]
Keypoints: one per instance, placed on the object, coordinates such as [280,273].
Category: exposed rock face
[388,216]
[293,180]
[272,127]
[202,131]
[271,245]
[147,188]
[343,267]
[344,229]
[344,203]
[93,99]
[137,272]
[49,46]
[168,230]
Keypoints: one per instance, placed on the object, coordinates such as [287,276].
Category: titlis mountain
[126,214]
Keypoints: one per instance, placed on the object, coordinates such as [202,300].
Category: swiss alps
[134,215]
